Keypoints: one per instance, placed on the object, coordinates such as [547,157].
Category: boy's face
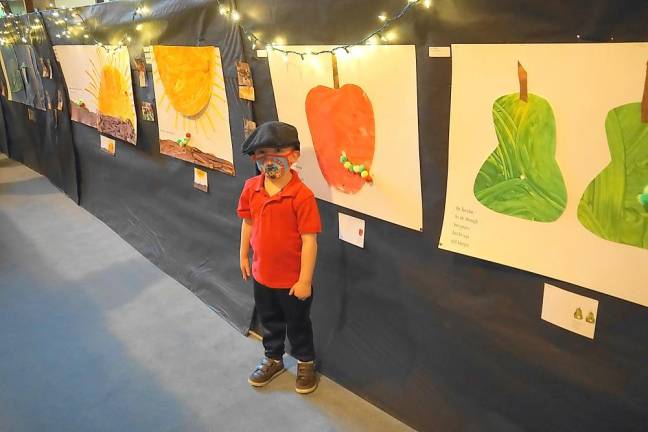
[275,162]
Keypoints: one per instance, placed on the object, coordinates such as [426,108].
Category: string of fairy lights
[74,25]
[375,37]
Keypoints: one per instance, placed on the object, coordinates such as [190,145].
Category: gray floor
[93,337]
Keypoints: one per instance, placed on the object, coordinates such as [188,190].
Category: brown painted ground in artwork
[117,128]
[194,155]
[83,115]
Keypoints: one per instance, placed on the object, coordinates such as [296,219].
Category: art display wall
[37,126]
[458,335]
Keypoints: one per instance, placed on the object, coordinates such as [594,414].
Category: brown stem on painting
[522,76]
[644,100]
[336,78]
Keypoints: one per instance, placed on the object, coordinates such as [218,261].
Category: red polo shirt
[278,222]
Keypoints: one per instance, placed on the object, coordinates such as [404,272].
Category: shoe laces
[265,365]
[302,369]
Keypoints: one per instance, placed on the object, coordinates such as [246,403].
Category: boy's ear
[294,156]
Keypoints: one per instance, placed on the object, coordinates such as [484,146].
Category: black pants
[279,312]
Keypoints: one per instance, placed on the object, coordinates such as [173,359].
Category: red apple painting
[357,118]
[342,125]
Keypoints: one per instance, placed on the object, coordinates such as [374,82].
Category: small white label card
[148,56]
[262,53]
[108,145]
[570,311]
[439,52]
[352,230]
[200,180]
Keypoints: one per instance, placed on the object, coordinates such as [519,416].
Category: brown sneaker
[306,377]
[266,371]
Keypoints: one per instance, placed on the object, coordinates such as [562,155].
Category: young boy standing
[281,222]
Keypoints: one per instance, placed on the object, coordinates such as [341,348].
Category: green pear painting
[615,204]
[521,178]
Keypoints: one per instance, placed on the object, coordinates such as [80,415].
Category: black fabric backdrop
[442,341]
[45,145]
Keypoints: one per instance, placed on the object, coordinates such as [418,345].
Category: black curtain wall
[42,140]
[442,341]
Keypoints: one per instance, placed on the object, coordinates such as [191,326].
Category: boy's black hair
[272,134]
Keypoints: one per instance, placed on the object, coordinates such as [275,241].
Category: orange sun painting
[100,88]
[193,116]
[112,87]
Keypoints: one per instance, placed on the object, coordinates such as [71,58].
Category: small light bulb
[138,27]
[223,10]
[427,3]
[235,16]
[86,36]
[372,40]
[382,17]
[129,39]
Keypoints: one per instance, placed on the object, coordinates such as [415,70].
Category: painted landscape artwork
[100,88]
[193,115]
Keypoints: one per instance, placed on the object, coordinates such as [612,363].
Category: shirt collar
[289,190]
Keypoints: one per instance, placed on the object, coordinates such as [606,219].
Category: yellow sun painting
[193,116]
[111,85]
[100,88]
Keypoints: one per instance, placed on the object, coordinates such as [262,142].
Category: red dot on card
[360,232]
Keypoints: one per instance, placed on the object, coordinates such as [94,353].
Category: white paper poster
[356,114]
[556,184]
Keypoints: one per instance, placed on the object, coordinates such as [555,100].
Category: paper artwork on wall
[356,114]
[521,177]
[13,76]
[556,184]
[32,79]
[100,88]
[615,204]
[79,64]
[116,105]
[193,115]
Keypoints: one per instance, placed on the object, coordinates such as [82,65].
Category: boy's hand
[301,290]
[245,268]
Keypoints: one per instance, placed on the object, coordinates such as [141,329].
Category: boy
[280,222]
